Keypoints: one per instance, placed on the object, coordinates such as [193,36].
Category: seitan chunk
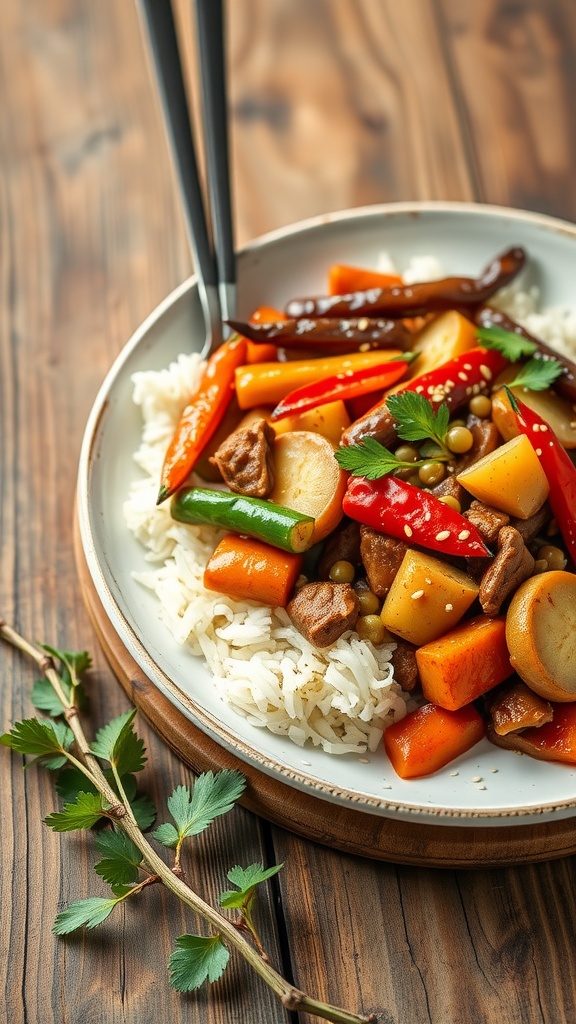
[322,612]
[487,520]
[245,459]
[382,556]
[512,565]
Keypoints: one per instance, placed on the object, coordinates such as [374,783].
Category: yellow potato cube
[443,338]
[329,420]
[426,599]
[509,478]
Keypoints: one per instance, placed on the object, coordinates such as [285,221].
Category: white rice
[340,698]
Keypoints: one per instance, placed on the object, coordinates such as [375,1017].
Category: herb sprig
[538,373]
[97,782]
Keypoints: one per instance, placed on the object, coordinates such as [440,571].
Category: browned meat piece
[381,556]
[405,667]
[530,528]
[448,486]
[341,546]
[322,612]
[376,423]
[245,459]
[517,707]
[512,565]
[487,520]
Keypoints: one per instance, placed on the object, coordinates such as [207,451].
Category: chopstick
[213,255]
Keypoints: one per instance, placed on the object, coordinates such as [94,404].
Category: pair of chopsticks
[208,223]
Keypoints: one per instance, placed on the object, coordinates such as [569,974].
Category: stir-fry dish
[387,470]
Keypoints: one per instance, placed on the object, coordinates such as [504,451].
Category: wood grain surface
[334,103]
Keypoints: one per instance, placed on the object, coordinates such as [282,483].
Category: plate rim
[519,814]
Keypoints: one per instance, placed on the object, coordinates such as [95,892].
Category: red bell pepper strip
[454,382]
[349,384]
[430,737]
[409,513]
[201,417]
[557,465]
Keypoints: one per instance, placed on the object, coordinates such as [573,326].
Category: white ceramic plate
[487,785]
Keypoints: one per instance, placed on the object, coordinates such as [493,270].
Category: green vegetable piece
[88,913]
[512,346]
[255,517]
[197,958]
[86,810]
[537,374]
[246,880]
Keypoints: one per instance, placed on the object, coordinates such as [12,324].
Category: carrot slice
[250,570]
[430,737]
[343,279]
[202,416]
[464,663]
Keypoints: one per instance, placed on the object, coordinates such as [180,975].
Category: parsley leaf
[369,458]
[513,346]
[416,419]
[72,781]
[537,374]
[193,812]
[48,741]
[197,958]
[117,743]
[86,810]
[246,880]
[90,912]
[121,858]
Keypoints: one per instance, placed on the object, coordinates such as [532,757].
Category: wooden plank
[91,241]
[336,105]
[513,66]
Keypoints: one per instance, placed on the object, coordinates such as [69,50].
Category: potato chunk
[510,478]
[446,336]
[427,598]
[540,631]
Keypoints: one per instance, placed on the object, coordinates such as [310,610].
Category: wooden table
[333,104]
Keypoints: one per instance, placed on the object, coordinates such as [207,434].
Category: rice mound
[340,698]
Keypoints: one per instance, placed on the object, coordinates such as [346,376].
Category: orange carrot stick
[430,737]
[201,417]
[343,279]
[249,570]
[464,663]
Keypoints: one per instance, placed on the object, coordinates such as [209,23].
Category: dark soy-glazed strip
[417,299]
[330,335]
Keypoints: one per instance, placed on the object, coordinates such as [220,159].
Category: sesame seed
[543,428]
[448,607]
[364,760]
[463,535]
[427,517]
[477,778]
[443,535]
[538,452]
[363,324]
[417,594]
[535,427]
[463,376]
[429,582]
[467,366]
[486,372]
[407,530]
[454,773]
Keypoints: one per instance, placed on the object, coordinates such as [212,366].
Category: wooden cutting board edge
[391,839]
